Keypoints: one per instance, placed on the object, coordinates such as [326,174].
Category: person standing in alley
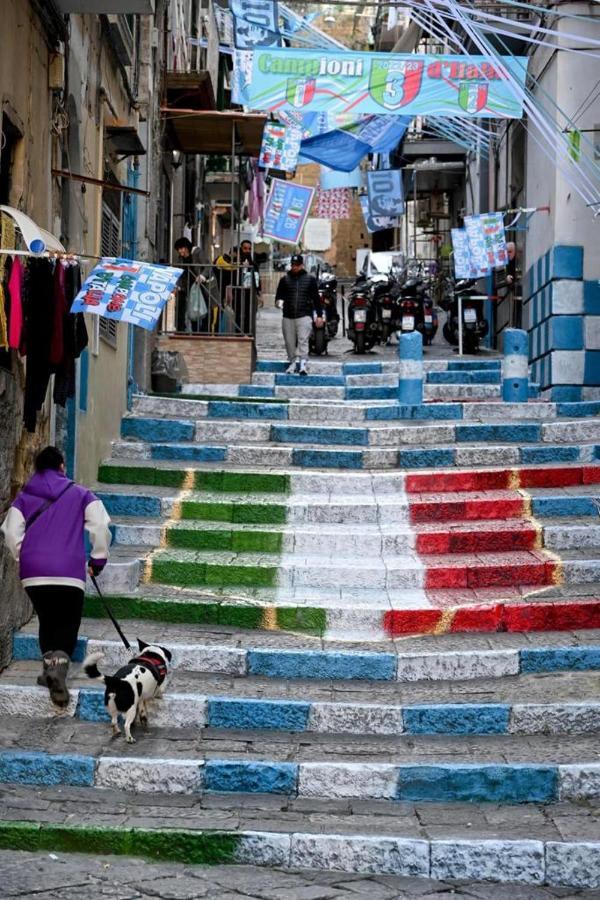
[44,532]
[299,293]
[192,297]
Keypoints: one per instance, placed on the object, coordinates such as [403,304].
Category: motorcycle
[474,325]
[328,295]
[363,325]
[430,320]
[319,336]
[384,291]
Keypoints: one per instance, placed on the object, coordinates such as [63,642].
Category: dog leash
[110,613]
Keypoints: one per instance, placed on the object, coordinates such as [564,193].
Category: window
[110,246]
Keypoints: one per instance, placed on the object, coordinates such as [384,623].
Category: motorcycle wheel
[446,331]
[359,344]
[320,344]
[332,328]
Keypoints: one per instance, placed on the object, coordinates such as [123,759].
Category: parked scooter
[328,294]
[363,324]
[385,295]
[474,325]
[319,336]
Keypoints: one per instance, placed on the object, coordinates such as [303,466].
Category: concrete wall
[27,102]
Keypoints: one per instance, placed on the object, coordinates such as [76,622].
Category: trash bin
[166,371]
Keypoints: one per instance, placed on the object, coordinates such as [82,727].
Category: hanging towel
[15,322]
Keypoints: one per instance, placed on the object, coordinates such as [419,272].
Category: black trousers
[59,609]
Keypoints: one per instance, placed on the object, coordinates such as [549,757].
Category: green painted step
[303,620]
[222,481]
[239,513]
[174,845]
[224,539]
[189,569]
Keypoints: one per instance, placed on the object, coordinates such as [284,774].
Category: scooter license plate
[428,320]
[360,315]
[470,315]
[386,314]
[408,323]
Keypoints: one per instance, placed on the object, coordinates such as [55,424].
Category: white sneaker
[303,368]
[293,367]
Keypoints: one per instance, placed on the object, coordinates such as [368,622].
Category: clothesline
[49,254]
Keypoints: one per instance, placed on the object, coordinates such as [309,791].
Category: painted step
[352,539]
[189,705]
[366,367]
[465,376]
[424,843]
[272,663]
[222,569]
[509,774]
[338,616]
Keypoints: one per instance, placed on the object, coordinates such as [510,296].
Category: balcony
[101,7]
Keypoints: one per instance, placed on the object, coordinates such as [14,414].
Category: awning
[205,131]
[190,90]
[37,240]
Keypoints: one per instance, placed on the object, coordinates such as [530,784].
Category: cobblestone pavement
[54,876]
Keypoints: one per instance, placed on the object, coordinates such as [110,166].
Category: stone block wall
[563,315]
[212,360]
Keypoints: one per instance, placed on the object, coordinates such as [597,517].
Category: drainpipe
[133,177]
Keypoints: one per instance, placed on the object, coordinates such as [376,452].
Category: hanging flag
[487,241]
[333,204]
[342,148]
[286,210]
[280,147]
[397,83]
[463,263]
[317,234]
[332,179]
[381,223]
[241,74]
[263,13]
[574,136]
[247,36]
[385,192]
[127,291]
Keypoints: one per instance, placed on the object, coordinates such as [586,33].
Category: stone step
[271,663]
[566,704]
[376,367]
[438,571]
[504,769]
[261,453]
[405,843]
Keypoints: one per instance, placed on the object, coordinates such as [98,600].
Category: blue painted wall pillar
[515,383]
[410,380]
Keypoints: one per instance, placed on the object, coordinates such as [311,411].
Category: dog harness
[155,663]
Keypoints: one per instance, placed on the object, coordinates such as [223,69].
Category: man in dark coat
[299,293]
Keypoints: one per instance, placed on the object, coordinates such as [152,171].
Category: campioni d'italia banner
[367,83]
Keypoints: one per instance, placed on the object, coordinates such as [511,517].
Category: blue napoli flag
[286,210]
[263,13]
[385,192]
[247,35]
[343,148]
[331,179]
[380,223]
[127,291]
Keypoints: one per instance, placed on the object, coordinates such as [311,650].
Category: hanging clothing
[74,338]
[39,321]
[15,287]
[3,321]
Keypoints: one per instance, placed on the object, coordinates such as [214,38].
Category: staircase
[385,624]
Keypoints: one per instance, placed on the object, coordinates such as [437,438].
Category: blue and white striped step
[195,710]
[376,368]
[496,782]
[433,664]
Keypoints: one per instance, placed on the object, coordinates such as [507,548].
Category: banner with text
[463,263]
[286,211]
[280,147]
[407,84]
[487,241]
[385,192]
[127,291]
[376,223]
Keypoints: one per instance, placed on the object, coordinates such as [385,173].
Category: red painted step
[465,507]
[490,570]
[492,537]
[442,482]
[559,615]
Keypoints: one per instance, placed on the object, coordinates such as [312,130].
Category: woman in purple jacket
[44,531]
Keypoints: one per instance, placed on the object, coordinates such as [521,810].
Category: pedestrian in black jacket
[299,292]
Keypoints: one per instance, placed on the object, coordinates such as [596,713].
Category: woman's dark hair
[49,458]
[182,242]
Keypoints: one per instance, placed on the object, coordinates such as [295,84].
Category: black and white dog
[127,691]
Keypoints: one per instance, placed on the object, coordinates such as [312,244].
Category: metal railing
[213,300]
